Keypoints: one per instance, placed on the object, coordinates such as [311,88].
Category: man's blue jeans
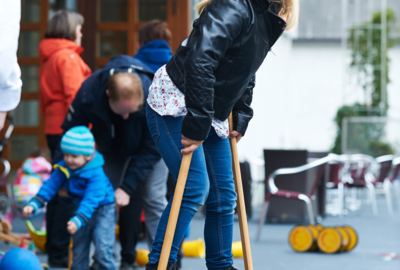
[210,182]
[101,230]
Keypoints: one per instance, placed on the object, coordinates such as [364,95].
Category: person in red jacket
[62,71]
[61,74]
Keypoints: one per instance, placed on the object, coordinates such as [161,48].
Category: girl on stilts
[211,75]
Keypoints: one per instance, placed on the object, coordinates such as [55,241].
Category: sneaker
[60,262]
[128,266]
[230,268]
[179,260]
[171,266]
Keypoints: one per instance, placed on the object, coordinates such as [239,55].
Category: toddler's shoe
[128,266]
[171,266]
[58,262]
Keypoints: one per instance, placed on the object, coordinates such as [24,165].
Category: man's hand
[190,145]
[235,134]
[62,192]
[27,211]
[2,119]
[71,227]
[121,198]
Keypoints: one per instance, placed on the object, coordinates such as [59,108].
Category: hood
[99,80]
[36,165]
[95,86]
[154,54]
[97,161]
[122,63]
[50,46]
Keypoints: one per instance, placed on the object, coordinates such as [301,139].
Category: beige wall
[297,94]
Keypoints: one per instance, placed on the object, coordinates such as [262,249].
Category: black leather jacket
[215,68]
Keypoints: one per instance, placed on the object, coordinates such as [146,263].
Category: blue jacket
[154,54]
[88,187]
[131,138]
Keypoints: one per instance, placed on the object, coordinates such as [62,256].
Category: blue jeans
[101,230]
[210,182]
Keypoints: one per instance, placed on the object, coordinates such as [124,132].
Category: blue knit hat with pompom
[78,141]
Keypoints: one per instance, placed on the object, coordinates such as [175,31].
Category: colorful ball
[20,259]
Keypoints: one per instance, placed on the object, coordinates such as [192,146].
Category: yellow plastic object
[237,249]
[319,227]
[346,238]
[353,237]
[117,232]
[39,238]
[142,257]
[330,240]
[194,249]
[315,233]
[70,253]
[301,238]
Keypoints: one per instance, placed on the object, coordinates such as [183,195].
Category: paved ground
[377,235]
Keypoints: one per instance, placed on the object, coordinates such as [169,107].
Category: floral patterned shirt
[166,99]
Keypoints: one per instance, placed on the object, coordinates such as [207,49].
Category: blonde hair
[202,5]
[289,11]
[63,25]
[125,90]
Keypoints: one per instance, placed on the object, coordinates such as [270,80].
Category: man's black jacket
[90,106]
[216,66]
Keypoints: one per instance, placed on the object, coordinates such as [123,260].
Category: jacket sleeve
[10,73]
[71,75]
[220,24]
[143,163]
[242,111]
[95,193]
[50,187]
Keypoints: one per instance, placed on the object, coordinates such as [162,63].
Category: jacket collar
[97,161]
[261,5]
[50,46]
[265,6]
[278,24]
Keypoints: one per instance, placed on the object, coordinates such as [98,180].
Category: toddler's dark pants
[59,211]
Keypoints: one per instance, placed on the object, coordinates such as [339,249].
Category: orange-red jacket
[61,74]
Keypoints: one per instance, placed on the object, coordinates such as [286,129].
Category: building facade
[110,28]
[299,87]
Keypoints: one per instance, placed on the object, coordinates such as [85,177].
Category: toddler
[29,178]
[81,174]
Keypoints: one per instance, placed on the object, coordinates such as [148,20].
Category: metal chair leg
[387,188]
[396,189]
[341,198]
[263,215]
[372,195]
[310,209]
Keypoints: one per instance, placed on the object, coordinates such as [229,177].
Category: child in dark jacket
[81,174]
